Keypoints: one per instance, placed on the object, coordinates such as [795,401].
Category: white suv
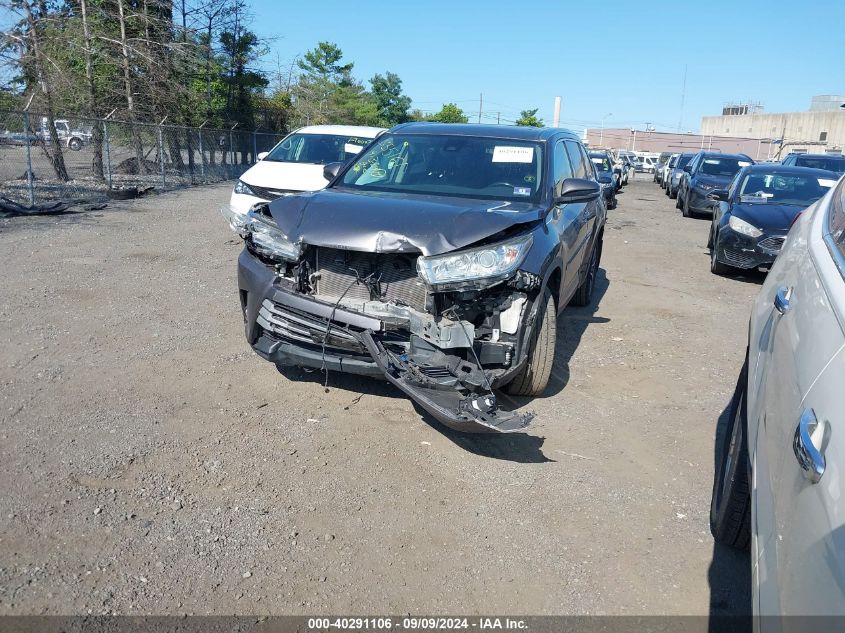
[780,444]
[296,163]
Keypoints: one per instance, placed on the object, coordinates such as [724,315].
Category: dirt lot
[151,463]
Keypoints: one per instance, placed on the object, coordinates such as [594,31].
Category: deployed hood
[285,176]
[395,223]
[768,217]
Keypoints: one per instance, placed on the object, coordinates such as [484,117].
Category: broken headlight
[496,260]
[266,239]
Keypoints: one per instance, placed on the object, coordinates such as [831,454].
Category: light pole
[601,133]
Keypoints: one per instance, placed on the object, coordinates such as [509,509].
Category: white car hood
[285,176]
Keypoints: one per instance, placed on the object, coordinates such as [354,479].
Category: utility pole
[557,112]
[480,104]
[683,98]
[498,118]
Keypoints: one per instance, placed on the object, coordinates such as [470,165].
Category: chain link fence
[95,159]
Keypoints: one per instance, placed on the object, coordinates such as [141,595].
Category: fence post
[29,184]
[254,147]
[202,156]
[108,153]
[161,157]
[232,152]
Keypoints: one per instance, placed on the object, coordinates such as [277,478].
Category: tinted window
[831,163]
[562,166]
[449,165]
[316,148]
[580,168]
[673,161]
[719,166]
[683,161]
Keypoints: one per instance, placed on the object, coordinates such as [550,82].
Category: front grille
[286,323]
[737,259]
[774,243]
[369,276]
[271,193]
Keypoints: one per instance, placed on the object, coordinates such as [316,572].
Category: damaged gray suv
[438,258]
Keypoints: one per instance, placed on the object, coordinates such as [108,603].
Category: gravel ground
[151,463]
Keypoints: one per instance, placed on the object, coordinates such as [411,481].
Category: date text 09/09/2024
[414,623]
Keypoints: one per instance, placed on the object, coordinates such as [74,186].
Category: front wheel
[534,376]
[730,504]
[685,210]
[717,267]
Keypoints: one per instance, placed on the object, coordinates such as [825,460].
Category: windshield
[318,149]
[831,163]
[722,166]
[783,189]
[446,165]
[601,162]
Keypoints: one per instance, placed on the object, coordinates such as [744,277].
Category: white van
[296,163]
[646,164]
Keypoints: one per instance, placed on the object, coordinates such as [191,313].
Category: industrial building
[819,130]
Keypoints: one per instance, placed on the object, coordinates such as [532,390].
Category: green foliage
[449,113]
[323,63]
[392,105]
[528,118]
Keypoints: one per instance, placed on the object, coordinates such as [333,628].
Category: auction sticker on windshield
[510,154]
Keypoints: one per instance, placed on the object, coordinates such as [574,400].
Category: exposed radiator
[392,277]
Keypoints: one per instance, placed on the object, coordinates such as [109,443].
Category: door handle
[782,299]
[809,433]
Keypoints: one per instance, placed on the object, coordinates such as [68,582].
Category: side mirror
[331,170]
[605,180]
[578,190]
[718,195]
[261,155]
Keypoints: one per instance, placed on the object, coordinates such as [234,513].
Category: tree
[323,63]
[528,118]
[392,105]
[449,113]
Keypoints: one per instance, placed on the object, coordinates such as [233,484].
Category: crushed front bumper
[740,251]
[289,328]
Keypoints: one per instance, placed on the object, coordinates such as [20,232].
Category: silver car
[781,441]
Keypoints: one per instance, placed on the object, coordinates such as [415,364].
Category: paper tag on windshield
[712,161]
[754,199]
[351,148]
[522,191]
[826,182]
[743,163]
[510,154]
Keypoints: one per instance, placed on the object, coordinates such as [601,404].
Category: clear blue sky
[623,58]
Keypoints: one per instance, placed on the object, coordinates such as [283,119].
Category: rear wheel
[534,376]
[730,504]
[584,295]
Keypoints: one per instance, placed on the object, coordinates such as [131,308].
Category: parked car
[604,166]
[645,164]
[779,444]
[296,163]
[704,173]
[752,216]
[438,258]
[629,162]
[72,137]
[675,172]
[667,167]
[659,164]
[830,162]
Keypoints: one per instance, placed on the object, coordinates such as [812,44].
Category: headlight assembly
[266,238]
[242,187]
[487,262]
[741,226]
